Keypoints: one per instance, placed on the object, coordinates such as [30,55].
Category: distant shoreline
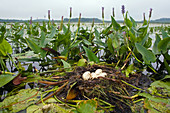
[83,20]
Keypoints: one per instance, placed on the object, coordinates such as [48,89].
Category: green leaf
[123,50]
[164,45]
[66,65]
[91,56]
[147,55]
[82,62]
[21,33]
[21,100]
[42,39]
[166,77]
[148,43]
[87,106]
[134,24]
[53,32]
[155,46]
[86,42]
[155,107]
[100,43]
[116,26]
[5,48]
[167,66]
[5,78]
[110,46]
[144,39]
[164,34]
[33,45]
[2,33]
[75,44]
[161,84]
[127,21]
[115,41]
[97,34]
[129,70]
[153,98]
[34,109]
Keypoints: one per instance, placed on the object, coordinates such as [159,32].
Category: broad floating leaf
[87,106]
[21,100]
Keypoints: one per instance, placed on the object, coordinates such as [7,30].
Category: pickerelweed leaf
[127,21]
[155,46]
[97,34]
[42,39]
[164,45]
[116,26]
[167,66]
[5,48]
[116,42]
[91,56]
[3,31]
[110,46]
[99,42]
[66,65]
[164,34]
[134,24]
[147,55]
[33,45]
[53,32]
[5,78]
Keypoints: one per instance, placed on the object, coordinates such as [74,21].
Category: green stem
[13,62]
[75,36]
[131,85]
[141,61]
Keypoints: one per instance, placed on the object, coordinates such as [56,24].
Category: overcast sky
[24,9]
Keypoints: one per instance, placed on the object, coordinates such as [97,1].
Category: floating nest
[115,89]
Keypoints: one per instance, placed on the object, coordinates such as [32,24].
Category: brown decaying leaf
[72,94]
[17,80]
[55,53]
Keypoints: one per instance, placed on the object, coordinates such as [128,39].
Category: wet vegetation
[42,66]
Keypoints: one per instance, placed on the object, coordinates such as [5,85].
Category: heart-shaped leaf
[147,55]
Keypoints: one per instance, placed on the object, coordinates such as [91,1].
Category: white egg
[98,71]
[93,75]
[86,75]
[102,75]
